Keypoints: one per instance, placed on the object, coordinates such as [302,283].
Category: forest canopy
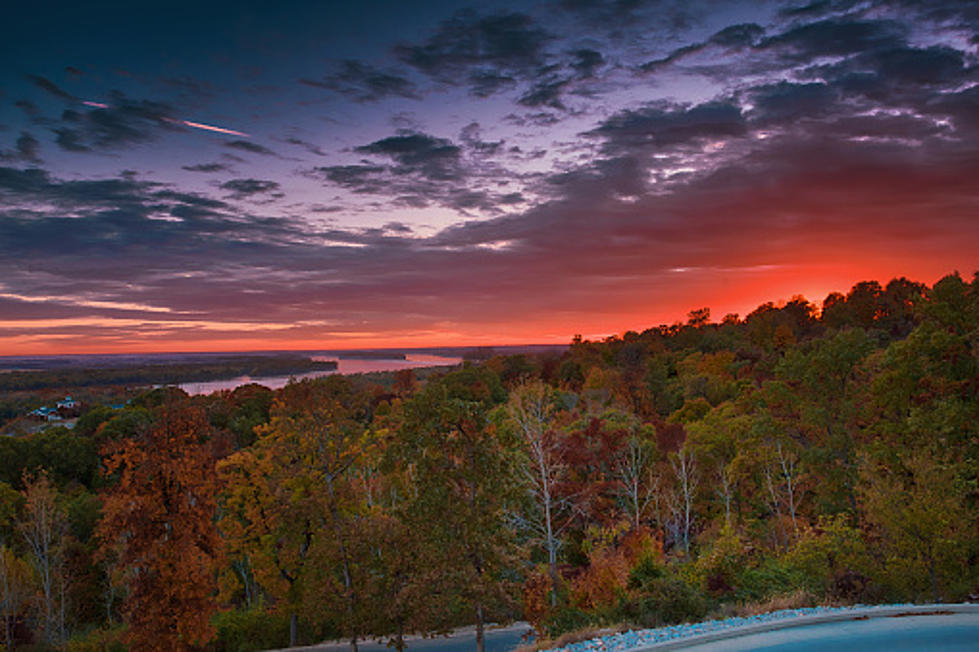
[802,454]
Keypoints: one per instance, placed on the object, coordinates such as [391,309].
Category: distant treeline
[164,374]
[371,355]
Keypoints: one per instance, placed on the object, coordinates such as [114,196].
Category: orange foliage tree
[159,519]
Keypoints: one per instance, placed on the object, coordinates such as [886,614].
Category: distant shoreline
[155,373]
[102,360]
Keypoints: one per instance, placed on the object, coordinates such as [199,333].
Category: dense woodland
[802,454]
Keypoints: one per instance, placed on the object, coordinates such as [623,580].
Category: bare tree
[781,473]
[680,500]
[44,529]
[639,484]
[530,411]
[725,489]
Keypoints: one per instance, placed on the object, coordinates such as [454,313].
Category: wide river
[344,366]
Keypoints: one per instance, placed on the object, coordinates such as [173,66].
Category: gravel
[644,637]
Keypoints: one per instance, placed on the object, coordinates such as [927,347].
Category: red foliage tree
[159,520]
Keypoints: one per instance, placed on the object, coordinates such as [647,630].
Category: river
[344,366]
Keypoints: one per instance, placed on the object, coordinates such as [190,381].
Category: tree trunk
[399,640]
[551,545]
[480,643]
[351,596]
[552,560]
[934,580]
[293,627]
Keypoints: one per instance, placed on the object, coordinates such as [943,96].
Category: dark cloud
[123,122]
[780,202]
[667,126]
[471,136]
[623,176]
[838,37]
[619,16]
[483,83]
[365,83]
[732,37]
[251,148]
[937,65]
[26,148]
[309,147]
[241,188]
[70,140]
[545,92]
[436,159]
[621,7]
[540,119]
[28,107]
[901,77]
[480,51]
[52,88]
[397,227]
[116,222]
[818,8]
[962,108]
[586,62]
[785,101]
[206,167]
[360,178]
[415,169]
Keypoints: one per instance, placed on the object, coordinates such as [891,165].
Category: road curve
[498,639]
[905,627]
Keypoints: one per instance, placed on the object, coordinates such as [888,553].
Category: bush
[566,619]
[657,596]
[769,578]
[98,640]
[244,630]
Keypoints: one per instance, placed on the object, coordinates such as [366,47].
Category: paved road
[951,633]
[497,640]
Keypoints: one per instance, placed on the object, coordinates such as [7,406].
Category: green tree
[920,516]
[462,489]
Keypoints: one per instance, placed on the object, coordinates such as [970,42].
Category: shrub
[244,630]
[657,596]
[769,578]
[98,640]
[566,619]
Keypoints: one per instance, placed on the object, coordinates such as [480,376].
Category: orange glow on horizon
[723,294]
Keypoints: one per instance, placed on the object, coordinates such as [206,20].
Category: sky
[299,175]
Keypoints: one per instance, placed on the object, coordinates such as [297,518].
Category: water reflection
[344,366]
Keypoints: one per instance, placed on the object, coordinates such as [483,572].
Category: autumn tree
[815,400]
[16,586]
[294,504]
[718,441]
[159,517]
[325,423]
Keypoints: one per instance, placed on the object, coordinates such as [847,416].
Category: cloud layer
[480,177]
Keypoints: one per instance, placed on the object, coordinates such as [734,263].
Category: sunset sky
[299,175]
